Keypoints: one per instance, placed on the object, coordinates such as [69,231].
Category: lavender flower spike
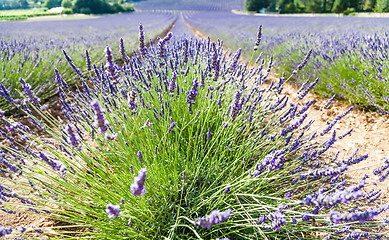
[100,122]
[112,210]
[215,217]
[259,38]
[88,61]
[191,97]
[132,100]
[138,187]
[142,48]
[236,106]
[139,154]
[72,139]
[304,62]
[29,93]
[110,65]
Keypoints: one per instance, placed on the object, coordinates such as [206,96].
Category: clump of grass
[183,142]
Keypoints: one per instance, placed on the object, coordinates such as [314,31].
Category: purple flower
[171,127]
[304,62]
[328,102]
[138,188]
[172,84]
[123,50]
[278,219]
[70,61]
[72,139]
[112,210]
[142,48]
[139,154]
[337,217]
[191,96]
[110,65]
[132,100]
[88,61]
[5,231]
[29,93]
[215,217]
[209,134]
[236,105]
[54,164]
[100,121]
[259,38]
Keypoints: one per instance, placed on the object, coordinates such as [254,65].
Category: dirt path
[370,134]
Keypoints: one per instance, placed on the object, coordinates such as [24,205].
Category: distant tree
[67,4]
[314,6]
[356,4]
[13,4]
[52,3]
[382,6]
[340,6]
[256,5]
[99,6]
[23,3]
[92,6]
[287,6]
[369,5]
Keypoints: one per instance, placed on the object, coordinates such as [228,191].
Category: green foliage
[24,14]
[382,6]
[85,11]
[67,4]
[349,11]
[287,6]
[369,5]
[314,6]
[52,3]
[340,6]
[67,11]
[13,4]
[256,5]
[99,7]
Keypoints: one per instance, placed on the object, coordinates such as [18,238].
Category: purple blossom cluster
[320,199]
[4,231]
[192,94]
[362,217]
[138,187]
[277,219]
[112,210]
[215,217]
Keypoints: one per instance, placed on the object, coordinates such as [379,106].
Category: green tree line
[319,6]
[13,4]
[72,6]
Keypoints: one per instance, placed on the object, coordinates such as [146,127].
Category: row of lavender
[31,50]
[349,55]
[183,141]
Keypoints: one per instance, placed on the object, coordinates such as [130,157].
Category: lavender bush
[161,148]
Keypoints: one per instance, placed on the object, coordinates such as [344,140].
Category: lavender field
[32,50]
[349,55]
[140,126]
